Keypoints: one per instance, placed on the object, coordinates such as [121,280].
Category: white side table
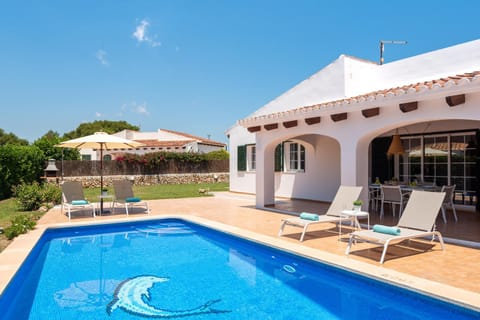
[356,215]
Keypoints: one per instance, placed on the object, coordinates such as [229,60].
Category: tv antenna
[382,45]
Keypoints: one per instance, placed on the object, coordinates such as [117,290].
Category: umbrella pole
[101,178]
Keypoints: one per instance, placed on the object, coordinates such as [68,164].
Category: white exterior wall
[205,148]
[240,181]
[340,150]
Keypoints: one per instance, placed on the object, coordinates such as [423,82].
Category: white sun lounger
[417,221]
[343,200]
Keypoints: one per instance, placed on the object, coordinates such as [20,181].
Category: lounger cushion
[386,229]
[309,216]
[133,199]
[79,202]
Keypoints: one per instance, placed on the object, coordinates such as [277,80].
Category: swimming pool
[173,268]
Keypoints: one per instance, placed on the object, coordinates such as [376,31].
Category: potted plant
[357,205]
[104,192]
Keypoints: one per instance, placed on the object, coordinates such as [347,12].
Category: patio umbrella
[102,141]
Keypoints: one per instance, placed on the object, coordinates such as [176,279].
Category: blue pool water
[171,268]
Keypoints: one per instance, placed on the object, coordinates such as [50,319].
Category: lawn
[161,191]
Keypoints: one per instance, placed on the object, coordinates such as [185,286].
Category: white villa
[160,140]
[336,127]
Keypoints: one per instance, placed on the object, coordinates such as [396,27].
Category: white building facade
[157,141]
[335,127]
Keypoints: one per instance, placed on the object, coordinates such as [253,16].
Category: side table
[102,198]
[358,214]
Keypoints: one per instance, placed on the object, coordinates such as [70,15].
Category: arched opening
[435,154]
[304,167]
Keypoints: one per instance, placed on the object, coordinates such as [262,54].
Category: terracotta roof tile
[164,144]
[442,82]
[196,138]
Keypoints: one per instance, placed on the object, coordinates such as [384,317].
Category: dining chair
[374,197]
[448,201]
[394,196]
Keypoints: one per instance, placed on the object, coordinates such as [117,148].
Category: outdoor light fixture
[396,147]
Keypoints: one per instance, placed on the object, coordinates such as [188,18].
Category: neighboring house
[161,140]
[336,127]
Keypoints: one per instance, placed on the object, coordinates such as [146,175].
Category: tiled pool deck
[453,274]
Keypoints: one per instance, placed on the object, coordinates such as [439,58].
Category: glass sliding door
[443,159]
[463,167]
[435,160]
[411,161]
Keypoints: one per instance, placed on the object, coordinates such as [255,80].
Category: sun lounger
[417,221]
[124,196]
[73,198]
[343,200]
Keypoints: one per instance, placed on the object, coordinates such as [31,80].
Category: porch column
[265,177]
[348,160]
[354,165]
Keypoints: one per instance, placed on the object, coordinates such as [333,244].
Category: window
[251,158]
[279,158]
[295,156]
[289,156]
[241,158]
[107,157]
[86,157]
[444,159]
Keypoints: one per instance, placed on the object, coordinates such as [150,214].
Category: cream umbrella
[102,141]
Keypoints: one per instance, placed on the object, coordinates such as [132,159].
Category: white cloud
[134,107]
[140,108]
[142,36]
[98,114]
[101,57]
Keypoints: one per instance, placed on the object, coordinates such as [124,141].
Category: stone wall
[146,180]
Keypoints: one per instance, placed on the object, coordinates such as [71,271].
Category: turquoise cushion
[134,199]
[79,202]
[309,216]
[387,230]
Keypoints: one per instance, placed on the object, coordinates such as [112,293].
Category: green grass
[8,211]
[163,191]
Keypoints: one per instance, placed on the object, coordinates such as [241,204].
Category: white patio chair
[394,196]
[448,201]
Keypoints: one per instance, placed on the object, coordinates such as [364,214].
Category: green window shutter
[279,158]
[241,158]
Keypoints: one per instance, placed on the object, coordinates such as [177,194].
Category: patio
[446,273]
[465,231]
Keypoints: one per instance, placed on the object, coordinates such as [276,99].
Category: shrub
[19,164]
[30,197]
[19,225]
[158,158]
[51,194]
[217,155]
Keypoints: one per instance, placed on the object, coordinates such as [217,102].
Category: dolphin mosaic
[133,295]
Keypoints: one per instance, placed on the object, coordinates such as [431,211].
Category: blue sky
[195,66]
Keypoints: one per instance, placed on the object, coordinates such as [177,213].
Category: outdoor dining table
[409,188]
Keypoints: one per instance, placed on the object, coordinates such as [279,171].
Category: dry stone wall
[147,180]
